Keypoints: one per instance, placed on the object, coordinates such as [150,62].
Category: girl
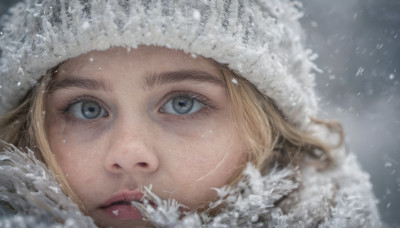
[168,113]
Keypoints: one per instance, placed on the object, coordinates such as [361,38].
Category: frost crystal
[56,190]
[196,15]
[235,81]
[85,25]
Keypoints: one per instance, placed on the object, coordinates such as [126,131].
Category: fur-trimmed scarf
[340,196]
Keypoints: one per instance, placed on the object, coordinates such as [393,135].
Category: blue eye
[88,110]
[182,105]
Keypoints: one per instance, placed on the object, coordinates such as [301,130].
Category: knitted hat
[258,39]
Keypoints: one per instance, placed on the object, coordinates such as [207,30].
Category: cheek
[76,158]
[204,148]
[208,159]
[194,153]
[73,162]
[80,169]
[69,139]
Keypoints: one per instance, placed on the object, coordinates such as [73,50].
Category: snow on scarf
[340,196]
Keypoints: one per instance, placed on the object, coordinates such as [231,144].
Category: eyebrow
[156,79]
[163,78]
[80,83]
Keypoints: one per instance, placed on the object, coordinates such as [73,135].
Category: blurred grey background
[358,43]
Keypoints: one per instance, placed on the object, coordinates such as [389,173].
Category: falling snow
[196,15]
[360,71]
[388,164]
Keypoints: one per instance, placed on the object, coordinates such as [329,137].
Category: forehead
[144,59]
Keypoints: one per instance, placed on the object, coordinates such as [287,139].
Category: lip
[118,205]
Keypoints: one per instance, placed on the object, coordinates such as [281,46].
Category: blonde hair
[24,127]
[269,137]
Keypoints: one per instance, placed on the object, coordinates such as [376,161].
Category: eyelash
[65,108]
[207,103]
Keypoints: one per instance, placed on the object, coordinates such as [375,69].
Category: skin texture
[137,140]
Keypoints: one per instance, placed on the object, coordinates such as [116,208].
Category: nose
[130,154]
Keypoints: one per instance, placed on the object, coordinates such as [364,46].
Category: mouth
[119,205]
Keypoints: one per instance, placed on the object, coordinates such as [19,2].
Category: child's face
[118,121]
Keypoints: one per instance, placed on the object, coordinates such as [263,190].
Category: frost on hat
[259,39]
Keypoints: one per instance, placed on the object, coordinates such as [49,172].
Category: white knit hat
[259,39]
